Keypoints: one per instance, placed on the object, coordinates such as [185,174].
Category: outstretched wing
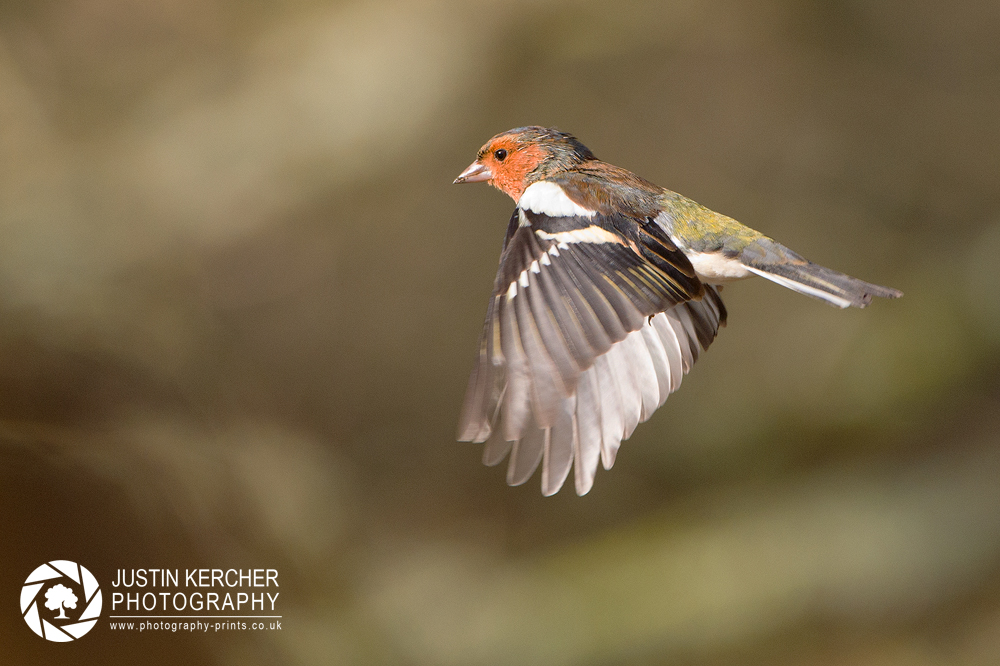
[623,388]
[570,295]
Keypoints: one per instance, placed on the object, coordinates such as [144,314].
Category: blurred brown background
[239,300]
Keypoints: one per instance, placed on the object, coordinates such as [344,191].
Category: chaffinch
[605,297]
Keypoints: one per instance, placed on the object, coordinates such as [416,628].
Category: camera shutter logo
[64,587]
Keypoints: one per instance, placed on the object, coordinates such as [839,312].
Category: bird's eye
[500,154]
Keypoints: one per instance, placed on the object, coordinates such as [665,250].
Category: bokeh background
[239,301]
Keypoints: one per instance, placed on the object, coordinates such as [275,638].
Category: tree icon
[61,597]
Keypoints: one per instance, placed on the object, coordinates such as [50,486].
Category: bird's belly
[715,267]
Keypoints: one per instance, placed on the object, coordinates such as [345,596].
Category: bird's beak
[477,172]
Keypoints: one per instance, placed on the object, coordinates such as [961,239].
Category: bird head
[513,160]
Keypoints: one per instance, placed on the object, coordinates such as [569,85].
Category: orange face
[504,163]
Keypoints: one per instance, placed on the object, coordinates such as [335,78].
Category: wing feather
[587,439]
[560,446]
[661,365]
[526,454]
[546,386]
[516,409]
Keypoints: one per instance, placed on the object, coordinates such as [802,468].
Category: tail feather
[777,263]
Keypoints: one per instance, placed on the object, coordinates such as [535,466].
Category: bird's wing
[621,389]
[568,328]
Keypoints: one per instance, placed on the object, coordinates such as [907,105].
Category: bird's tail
[772,260]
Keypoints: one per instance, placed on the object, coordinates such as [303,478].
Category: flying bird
[606,295]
